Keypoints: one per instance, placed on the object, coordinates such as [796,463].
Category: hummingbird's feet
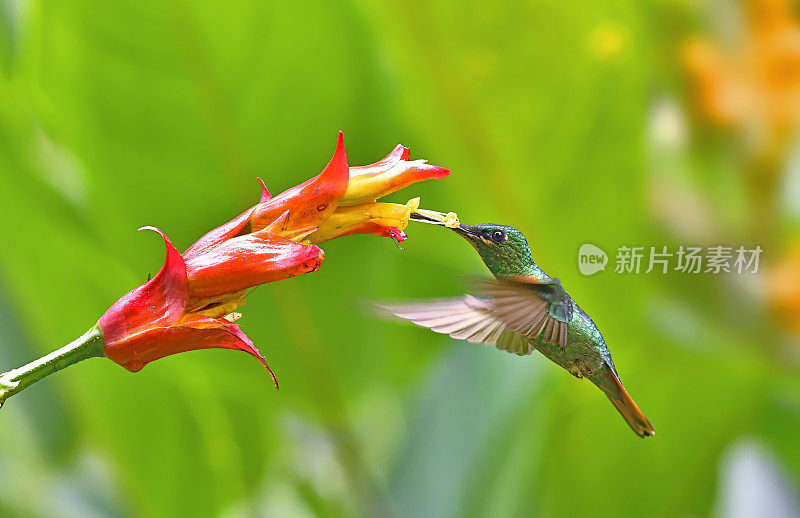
[580,369]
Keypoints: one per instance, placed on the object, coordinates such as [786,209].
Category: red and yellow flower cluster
[190,303]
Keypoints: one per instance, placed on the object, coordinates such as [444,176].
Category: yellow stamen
[345,218]
[449,220]
[217,306]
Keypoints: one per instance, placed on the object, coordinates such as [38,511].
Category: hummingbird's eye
[498,236]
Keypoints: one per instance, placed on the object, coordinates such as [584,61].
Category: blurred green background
[575,122]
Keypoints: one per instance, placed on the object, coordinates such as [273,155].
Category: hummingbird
[521,310]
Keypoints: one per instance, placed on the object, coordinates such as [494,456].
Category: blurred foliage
[115,115]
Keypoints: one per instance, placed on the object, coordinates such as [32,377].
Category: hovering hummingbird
[521,310]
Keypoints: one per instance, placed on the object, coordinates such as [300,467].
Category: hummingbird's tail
[609,383]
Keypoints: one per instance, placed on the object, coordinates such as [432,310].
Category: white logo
[591,259]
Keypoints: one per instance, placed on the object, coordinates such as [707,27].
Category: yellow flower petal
[345,219]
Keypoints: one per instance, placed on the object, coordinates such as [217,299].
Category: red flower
[190,303]
[173,313]
[342,201]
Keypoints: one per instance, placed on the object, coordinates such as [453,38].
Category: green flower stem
[89,345]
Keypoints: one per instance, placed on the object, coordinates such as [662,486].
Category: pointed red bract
[312,200]
[159,302]
[265,195]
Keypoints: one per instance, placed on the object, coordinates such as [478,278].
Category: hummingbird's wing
[535,309]
[464,318]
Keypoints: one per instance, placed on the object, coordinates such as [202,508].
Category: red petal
[399,153]
[249,260]
[155,343]
[370,227]
[246,345]
[265,195]
[396,234]
[310,201]
[219,234]
[159,302]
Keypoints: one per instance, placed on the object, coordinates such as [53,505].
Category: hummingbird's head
[504,249]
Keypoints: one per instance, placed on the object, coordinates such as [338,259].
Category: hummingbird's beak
[423,218]
[468,232]
[449,220]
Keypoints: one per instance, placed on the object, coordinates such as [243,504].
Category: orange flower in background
[757,81]
[783,289]
[752,86]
